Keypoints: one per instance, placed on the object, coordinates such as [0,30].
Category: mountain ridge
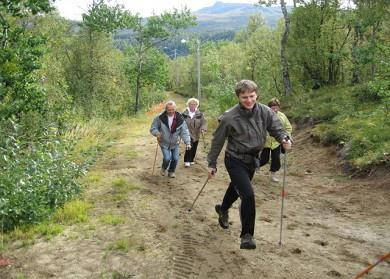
[232,16]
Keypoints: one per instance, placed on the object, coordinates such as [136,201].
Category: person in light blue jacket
[169,127]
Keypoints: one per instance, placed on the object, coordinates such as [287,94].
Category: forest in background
[61,86]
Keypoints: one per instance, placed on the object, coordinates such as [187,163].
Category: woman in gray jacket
[169,127]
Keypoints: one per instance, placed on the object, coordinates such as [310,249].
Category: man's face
[170,110]
[247,99]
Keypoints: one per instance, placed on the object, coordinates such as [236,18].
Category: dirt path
[333,226]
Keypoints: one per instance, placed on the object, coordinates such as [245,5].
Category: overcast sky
[72,9]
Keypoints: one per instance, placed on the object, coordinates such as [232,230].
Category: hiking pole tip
[189,210]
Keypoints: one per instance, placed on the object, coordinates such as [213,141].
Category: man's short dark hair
[244,86]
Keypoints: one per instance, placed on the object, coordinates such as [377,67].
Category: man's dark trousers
[241,175]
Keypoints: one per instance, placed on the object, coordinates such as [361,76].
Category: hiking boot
[247,242]
[273,177]
[171,174]
[223,217]
[163,172]
[187,164]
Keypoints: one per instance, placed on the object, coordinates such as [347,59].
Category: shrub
[35,178]
[356,118]
[365,93]
[221,95]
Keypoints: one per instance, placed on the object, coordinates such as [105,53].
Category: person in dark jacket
[197,125]
[245,127]
[169,127]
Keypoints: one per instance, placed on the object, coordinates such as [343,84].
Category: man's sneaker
[171,174]
[163,172]
[192,163]
[187,164]
[223,217]
[247,242]
[273,177]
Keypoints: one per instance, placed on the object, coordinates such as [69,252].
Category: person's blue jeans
[170,158]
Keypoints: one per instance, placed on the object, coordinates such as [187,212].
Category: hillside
[218,22]
[232,16]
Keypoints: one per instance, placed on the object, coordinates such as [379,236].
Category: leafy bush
[366,93]
[327,133]
[35,178]
[221,95]
[360,125]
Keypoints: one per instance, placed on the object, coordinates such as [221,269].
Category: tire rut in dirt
[186,257]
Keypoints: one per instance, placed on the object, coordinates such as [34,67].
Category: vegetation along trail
[138,226]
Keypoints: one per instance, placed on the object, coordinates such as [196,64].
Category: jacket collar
[164,118]
[247,113]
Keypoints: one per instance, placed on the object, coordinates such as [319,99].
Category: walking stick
[384,257]
[207,180]
[204,142]
[155,157]
[283,194]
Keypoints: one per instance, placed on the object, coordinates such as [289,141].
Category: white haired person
[169,126]
[197,125]
[272,146]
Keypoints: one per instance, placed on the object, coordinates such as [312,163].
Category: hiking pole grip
[205,183]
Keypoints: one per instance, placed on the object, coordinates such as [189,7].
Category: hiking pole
[384,257]
[283,194]
[204,142]
[207,180]
[155,157]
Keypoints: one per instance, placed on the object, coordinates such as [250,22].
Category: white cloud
[73,9]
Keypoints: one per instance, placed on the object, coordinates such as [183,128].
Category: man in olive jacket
[245,127]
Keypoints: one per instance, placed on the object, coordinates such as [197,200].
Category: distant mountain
[223,17]
[215,23]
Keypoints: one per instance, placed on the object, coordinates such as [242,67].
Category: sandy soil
[333,226]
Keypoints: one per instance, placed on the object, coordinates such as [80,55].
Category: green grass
[94,136]
[360,126]
[121,188]
[27,235]
[110,219]
[125,244]
[48,230]
[4,240]
[73,212]
[132,154]
[92,178]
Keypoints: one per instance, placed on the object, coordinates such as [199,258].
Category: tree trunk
[138,81]
[373,42]
[355,61]
[137,92]
[88,101]
[283,43]
[253,66]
